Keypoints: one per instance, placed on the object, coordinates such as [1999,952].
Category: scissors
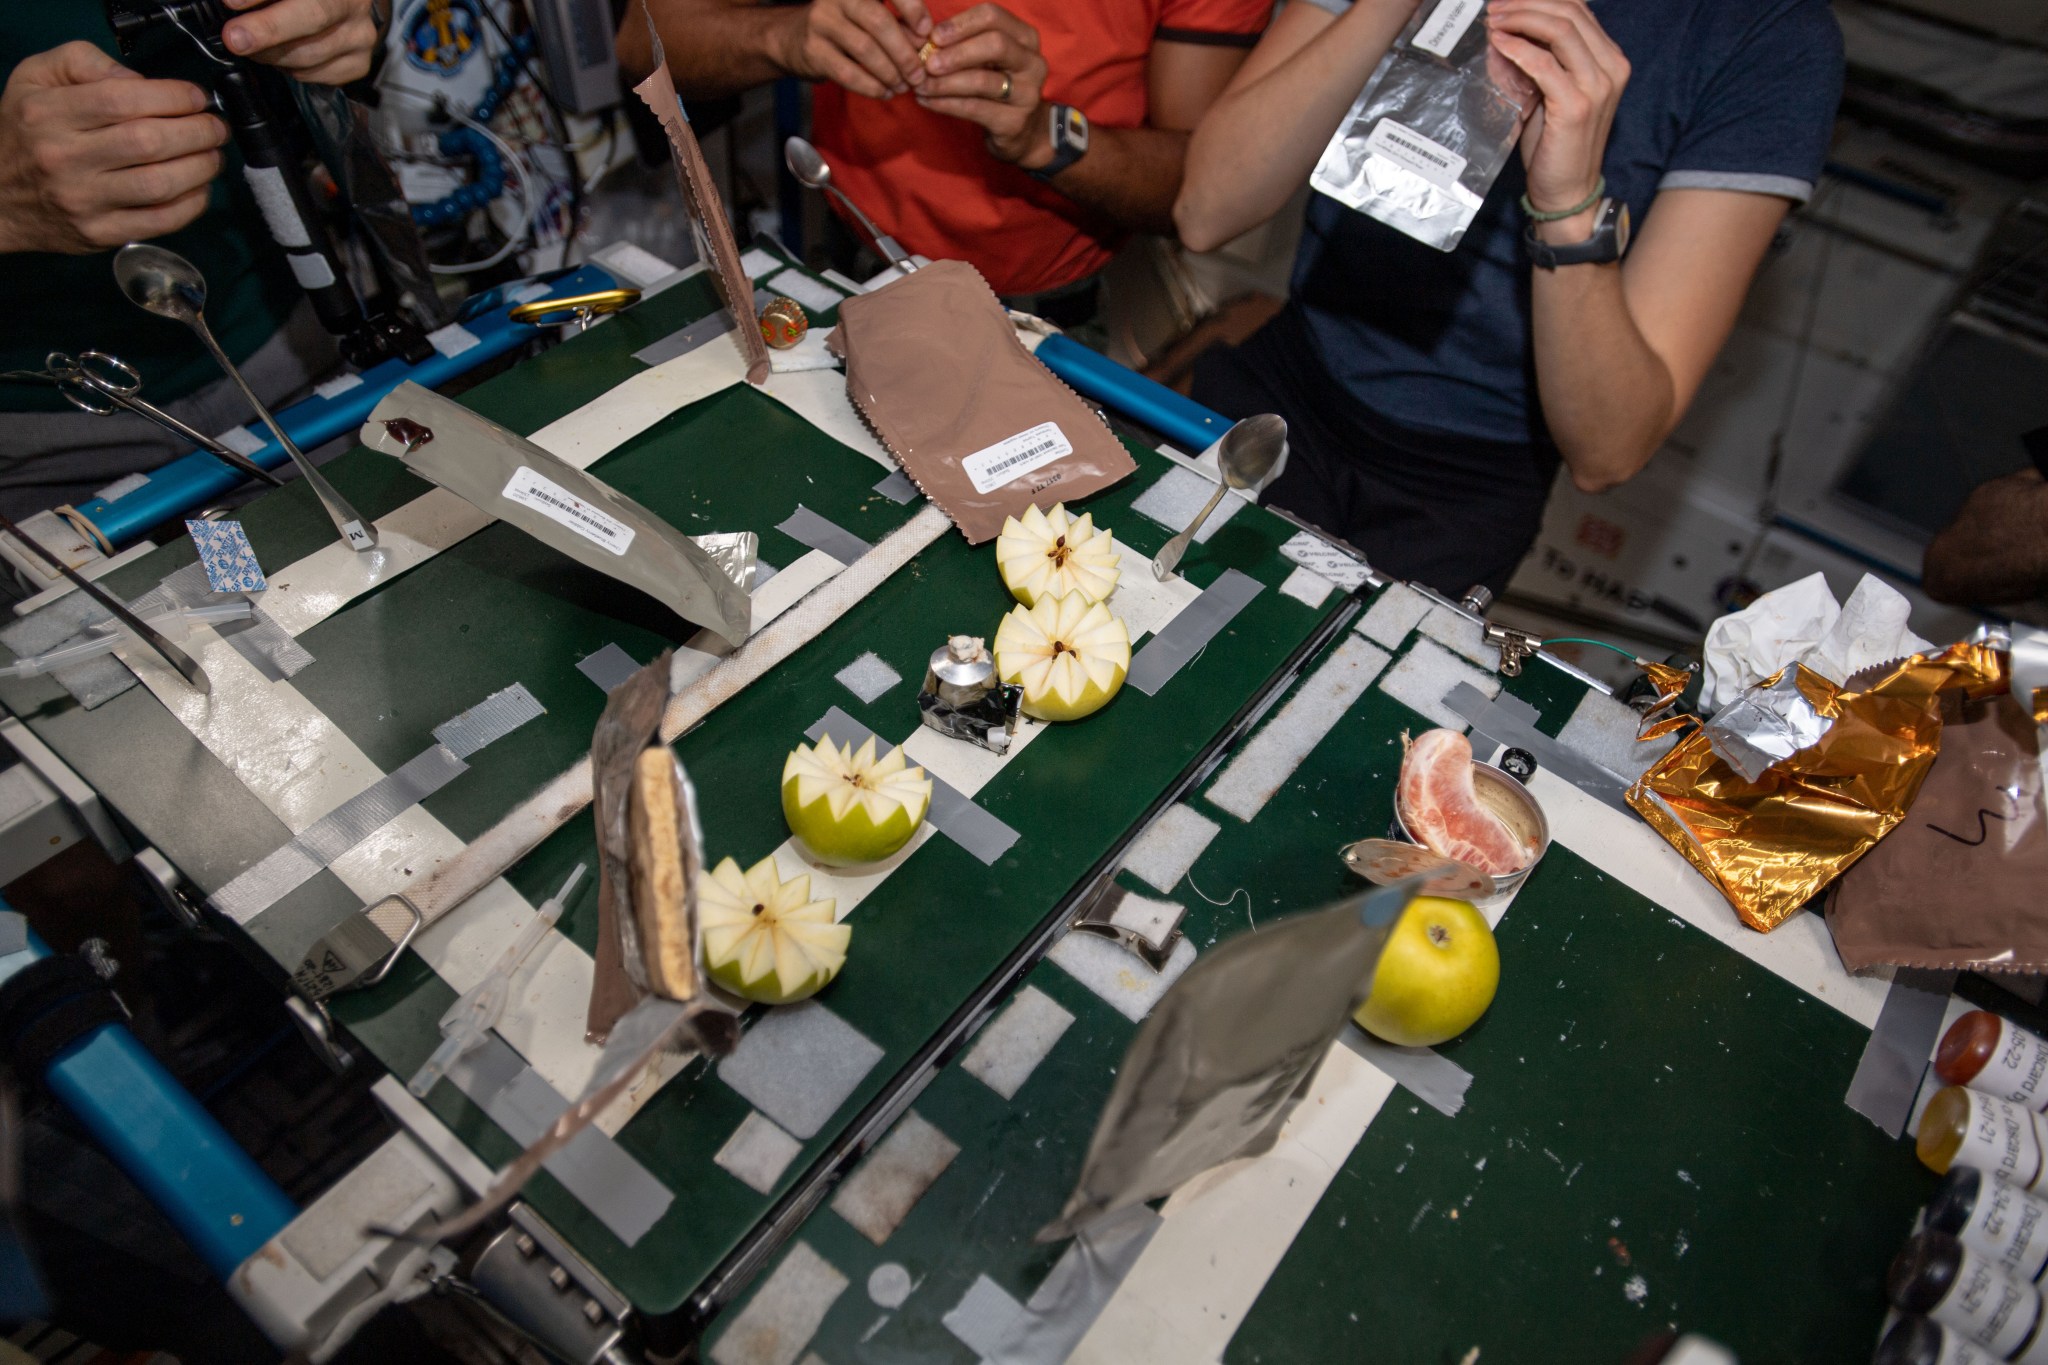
[99,383]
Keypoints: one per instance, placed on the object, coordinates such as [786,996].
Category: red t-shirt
[929,181]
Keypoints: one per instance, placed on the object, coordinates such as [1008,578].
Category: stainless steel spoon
[165,283]
[1244,456]
[810,169]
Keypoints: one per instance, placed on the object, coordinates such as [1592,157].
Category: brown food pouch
[935,367]
[1958,883]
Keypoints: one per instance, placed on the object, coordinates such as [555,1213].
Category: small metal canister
[1518,810]
[783,323]
[963,698]
[962,672]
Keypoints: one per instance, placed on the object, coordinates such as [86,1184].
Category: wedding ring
[1005,96]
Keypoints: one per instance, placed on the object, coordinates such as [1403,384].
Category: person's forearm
[714,48]
[1607,398]
[1259,142]
[1129,176]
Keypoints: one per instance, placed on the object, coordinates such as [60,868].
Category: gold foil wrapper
[1771,845]
[1662,718]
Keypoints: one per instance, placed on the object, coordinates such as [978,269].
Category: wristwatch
[1606,245]
[1069,134]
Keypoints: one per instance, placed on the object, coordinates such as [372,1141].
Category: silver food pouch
[1229,1050]
[1432,128]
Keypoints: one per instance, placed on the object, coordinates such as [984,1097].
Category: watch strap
[1068,132]
[1608,242]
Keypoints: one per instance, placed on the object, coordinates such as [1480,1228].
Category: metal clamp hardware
[1514,646]
[317,1027]
[526,1279]
[1101,914]
[580,308]
[375,976]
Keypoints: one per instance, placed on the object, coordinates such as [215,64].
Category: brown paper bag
[1959,883]
[935,367]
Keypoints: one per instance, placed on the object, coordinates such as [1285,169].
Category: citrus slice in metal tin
[1385,861]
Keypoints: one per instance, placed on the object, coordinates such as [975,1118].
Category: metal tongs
[184,663]
[103,384]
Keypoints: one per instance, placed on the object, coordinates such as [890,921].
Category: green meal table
[1654,1133]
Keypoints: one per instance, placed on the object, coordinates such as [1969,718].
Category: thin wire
[1597,644]
[171,14]
[519,169]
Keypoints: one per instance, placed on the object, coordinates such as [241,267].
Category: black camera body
[269,133]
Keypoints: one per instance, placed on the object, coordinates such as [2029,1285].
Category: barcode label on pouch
[996,465]
[1402,145]
[1441,33]
[557,503]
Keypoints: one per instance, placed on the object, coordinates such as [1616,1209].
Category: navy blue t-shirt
[1723,94]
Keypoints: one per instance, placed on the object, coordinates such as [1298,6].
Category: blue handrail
[1180,420]
[219,1199]
[186,483]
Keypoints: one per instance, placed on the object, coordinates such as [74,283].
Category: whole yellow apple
[1435,977]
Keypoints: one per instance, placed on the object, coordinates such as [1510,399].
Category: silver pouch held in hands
[1425,139]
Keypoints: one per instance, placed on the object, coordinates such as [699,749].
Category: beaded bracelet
[1537,215]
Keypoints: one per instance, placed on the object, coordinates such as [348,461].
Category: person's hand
[322,42]
[862,45]
[1580,73]
[92,155]
[987,70]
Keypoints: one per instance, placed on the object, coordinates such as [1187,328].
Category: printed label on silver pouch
[557,503]
[993,466]
[1403,146]
[1442,30]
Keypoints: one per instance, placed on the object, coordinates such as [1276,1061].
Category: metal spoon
[1244,456]
[810,169]
[165,283]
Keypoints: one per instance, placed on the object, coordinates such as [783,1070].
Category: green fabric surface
[73,301]
[499,608]
[1755,1205]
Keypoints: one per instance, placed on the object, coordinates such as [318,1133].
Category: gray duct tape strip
[602,1175]
[898,488]
[335,833]
[356,819]
[806,527]
[264,643]
[1888,1077]
[952,814]
[260,640]
[608,667]
[95,682]
[1509,721]
[687,340]
[1187,634]
[798,1064]
[1046,1329]
[1434,1079]
[492,718]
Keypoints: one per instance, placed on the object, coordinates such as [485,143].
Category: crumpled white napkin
[1802,622]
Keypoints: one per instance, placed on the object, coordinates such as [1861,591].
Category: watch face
[1621,230]
[1073,128]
